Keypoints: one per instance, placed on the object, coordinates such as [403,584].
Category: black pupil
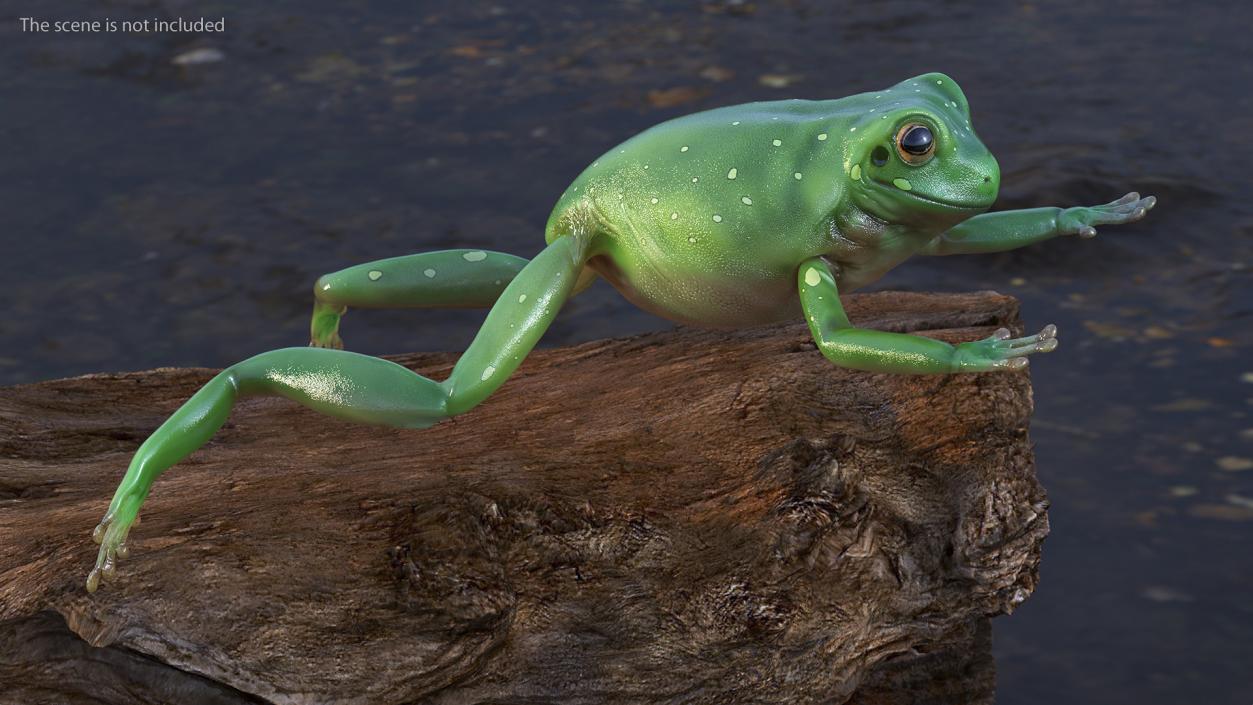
[917,140]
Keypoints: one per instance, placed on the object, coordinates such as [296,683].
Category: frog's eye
[915,144]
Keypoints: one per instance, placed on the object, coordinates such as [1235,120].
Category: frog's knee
[329,288]
[323,284]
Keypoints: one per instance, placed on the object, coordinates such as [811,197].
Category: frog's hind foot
[111,534]
[324,326]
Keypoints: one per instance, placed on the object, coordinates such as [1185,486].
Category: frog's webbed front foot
[1001,352]
[1082,221]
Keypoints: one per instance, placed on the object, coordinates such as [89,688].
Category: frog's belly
[706,297]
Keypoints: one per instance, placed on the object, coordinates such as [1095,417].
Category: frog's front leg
[1008,230]
[352,386]
[443,279]
[880,351]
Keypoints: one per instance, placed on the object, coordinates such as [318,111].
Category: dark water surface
[156,214]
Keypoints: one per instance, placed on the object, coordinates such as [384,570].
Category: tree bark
[681,517]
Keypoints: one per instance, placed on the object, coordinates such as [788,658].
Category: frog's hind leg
[352,386]
[443,279]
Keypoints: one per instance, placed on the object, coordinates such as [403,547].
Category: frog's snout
[990,184]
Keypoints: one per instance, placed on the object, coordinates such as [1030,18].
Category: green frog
[736,216]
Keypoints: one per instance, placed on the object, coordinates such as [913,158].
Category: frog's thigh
[514,325]
[443,279]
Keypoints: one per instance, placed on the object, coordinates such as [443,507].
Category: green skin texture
[732,217]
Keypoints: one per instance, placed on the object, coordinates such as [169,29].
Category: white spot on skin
[683,148]
[812,277]
[822,137]
[856,172]
[476,256]
[653,201]
[522,299]
[674,216]
[852,129]
[374,275]
[797,176]
[488,372]
[326,287]
[645,166]
[430,274]
[736,122]
[691,239]
[938,82]
[595,163]
[695,179]
[746,201]
[717,218]
[731,174]
[777,143]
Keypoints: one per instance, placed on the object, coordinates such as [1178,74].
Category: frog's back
[704,218]
[703,157]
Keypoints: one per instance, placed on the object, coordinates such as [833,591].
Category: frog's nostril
[987,179]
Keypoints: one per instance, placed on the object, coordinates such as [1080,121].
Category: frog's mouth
[931,200]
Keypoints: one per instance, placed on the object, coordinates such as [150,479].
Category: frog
[736,216]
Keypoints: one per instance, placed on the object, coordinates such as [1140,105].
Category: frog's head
[917,158]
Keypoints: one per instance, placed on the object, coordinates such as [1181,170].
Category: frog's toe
[1128,198]
[1011,363]
[333,342]
[97,534]
[1042,342]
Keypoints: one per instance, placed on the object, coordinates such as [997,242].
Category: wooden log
[681,517]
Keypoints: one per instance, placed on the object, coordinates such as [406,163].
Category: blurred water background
[169,199]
